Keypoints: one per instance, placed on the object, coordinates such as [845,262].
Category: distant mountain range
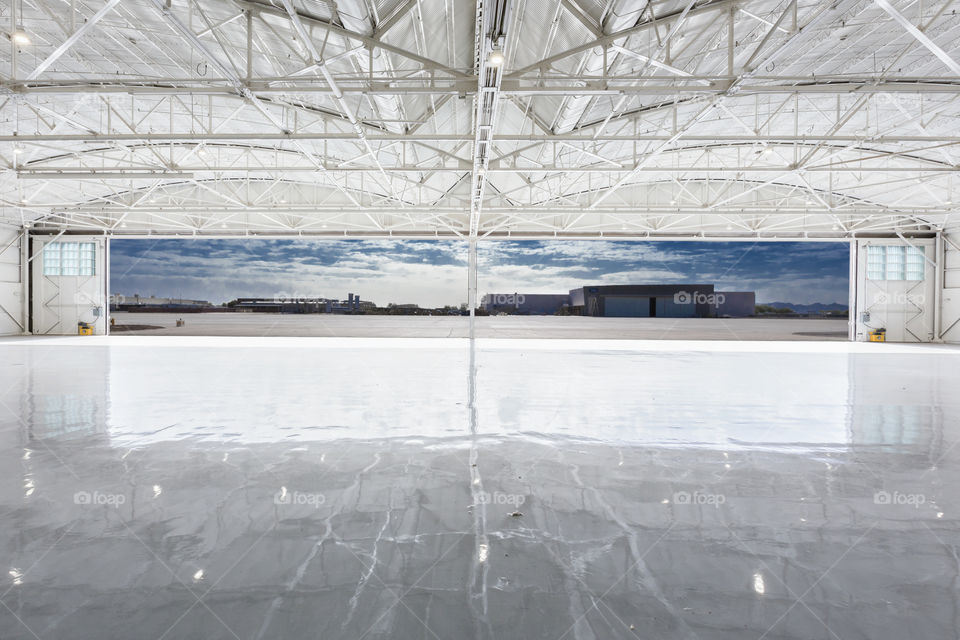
[816,307]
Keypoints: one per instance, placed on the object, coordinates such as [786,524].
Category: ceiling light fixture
[496,58]
[19,36]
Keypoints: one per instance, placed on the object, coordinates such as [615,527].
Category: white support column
[948,299]
[852,302]
[938,290]
[106,284]
[472,280]
[25,280]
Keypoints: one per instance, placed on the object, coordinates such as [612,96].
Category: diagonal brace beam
[921,37]
[72,40]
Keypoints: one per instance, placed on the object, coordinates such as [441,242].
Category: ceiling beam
[124,171]
[369,41]
[398,14]
[492,18]
[188,137]
[72,40]
[920,36]
[662,21]
[344,107]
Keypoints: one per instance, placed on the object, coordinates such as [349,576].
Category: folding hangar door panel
[69,284]
[11,288]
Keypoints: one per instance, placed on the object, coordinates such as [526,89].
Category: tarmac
[575,327]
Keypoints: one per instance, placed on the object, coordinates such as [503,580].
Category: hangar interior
[255,488]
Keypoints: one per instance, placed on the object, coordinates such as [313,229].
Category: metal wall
[12,289]
[60,302]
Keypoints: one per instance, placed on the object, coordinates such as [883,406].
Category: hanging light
[19,36]
[495,59]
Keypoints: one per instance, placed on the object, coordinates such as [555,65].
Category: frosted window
[875,262]
[915,264]
[70,259]
[51,260]
[895,263]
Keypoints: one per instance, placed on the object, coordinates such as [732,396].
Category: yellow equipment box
[84,329]
[878,335]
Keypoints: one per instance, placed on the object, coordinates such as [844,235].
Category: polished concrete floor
[328,325]
[345,488]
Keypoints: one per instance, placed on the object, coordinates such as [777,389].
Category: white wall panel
[12,290]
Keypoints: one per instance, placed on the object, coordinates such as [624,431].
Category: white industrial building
[267,488]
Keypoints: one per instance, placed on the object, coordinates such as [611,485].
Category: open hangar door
[68,284]
[12,289]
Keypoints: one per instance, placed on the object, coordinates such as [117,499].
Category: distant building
[136,302]
[628,301]
[405,309]
[301,304]
[137,299]
[645,300]
[526,304]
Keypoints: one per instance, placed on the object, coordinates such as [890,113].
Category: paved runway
[328,325]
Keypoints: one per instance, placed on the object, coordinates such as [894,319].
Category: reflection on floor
[273,488]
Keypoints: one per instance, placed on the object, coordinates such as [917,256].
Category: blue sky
[433,273]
